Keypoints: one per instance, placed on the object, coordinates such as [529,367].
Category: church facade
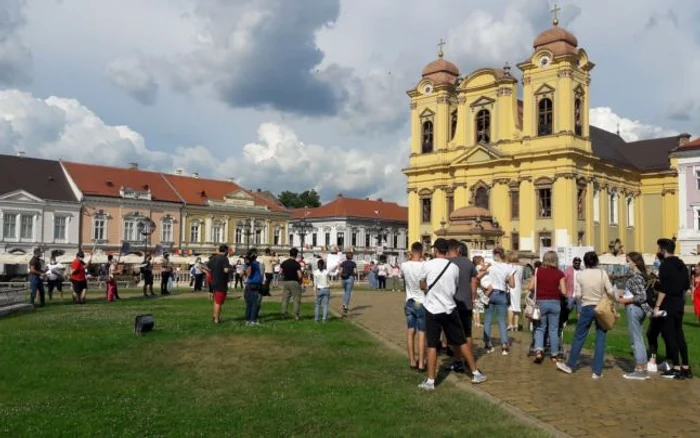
[532,169]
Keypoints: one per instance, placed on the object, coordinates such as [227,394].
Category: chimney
[258,190]
[20,153]
[339,195]
[230,180]
[133,166]
[195,175]
[366,199]
[683,139]
[179,171]
[379,200]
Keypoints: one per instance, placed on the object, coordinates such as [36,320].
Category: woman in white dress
[516,292]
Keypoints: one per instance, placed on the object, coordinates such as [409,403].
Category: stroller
[563,319]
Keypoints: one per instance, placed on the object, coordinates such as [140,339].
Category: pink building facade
[688,165]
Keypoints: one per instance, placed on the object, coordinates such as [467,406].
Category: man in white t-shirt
[441,278]
[412,271]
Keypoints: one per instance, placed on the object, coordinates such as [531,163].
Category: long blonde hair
[513,258]
[551,259]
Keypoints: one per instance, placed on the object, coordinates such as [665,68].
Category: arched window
[545,124]
[427,136]
[483,126]
[481,198]
[453,125]
[578,127]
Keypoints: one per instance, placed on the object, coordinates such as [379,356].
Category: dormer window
[129,193]
[203,194]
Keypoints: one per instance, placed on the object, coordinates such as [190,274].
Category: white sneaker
[561,366]
[427,386]
[504,352]
[596,376]
[478,377]
[652,368]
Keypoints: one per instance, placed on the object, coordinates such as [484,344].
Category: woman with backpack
[635,301]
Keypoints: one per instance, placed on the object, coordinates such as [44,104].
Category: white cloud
[15,56]
[630,130]
[134,77]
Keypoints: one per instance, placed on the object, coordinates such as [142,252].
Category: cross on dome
[555,14]
[440,45]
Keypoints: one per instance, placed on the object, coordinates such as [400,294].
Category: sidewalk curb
[517,413]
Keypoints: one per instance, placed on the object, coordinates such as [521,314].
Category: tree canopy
[307,198]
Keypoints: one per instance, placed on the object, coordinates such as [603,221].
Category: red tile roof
[695,144]
[198,191]
[94,180]
[356,208]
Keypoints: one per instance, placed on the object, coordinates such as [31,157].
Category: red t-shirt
[77,271]
[548,279]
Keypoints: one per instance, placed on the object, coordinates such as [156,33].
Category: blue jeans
[498,301]
[415,315]
[635,319]
[550,311]
[36,285]
[584,325]
[347,290]
[251,304]
[324,295]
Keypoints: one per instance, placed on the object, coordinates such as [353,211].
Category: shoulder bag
[532,310]
[605,311]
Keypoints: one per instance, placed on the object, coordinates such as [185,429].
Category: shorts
[219,297]
[415,315]
[466,316]
[79,286]
[447,322]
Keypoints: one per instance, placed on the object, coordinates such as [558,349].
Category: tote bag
[605,310]
[532,310]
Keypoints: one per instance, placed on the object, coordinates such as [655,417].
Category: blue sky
[308,93]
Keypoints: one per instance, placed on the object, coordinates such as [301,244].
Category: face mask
[657,264]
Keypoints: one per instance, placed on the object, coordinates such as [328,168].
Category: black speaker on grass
[144,324]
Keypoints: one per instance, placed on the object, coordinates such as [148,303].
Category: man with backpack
[348,272]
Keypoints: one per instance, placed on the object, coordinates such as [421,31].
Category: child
[322,289]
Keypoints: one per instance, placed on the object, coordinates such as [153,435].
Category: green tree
[307,198]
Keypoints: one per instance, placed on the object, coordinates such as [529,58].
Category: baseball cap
[441,245]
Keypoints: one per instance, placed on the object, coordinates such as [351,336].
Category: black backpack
[651,292]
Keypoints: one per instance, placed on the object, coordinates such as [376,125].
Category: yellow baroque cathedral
[495,170]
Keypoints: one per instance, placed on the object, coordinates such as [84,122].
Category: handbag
[605,311]
[532,310]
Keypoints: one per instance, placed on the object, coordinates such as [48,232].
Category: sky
[292,95]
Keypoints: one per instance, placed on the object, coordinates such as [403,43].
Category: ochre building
[532,172]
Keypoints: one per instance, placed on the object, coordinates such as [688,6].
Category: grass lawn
[618,341]
[79,371]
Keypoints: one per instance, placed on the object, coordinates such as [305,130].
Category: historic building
[686,159]
[218,211]
[37,209]
[117,202]
[535,167]
[364,225]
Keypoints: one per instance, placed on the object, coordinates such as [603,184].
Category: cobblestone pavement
[573,404]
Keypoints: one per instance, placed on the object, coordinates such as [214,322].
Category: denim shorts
[415,315]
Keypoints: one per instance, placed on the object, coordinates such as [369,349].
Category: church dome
[441,71]
[558,40]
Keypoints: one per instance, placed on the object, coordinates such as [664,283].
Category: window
[514,204]
[396,240]
[580,203]
[545,119]
[544,200]
[130,231]
[450,205]
[9,226]
[427,144]
[99,229]
[596,205]
[696,210]
[341,239]
[515,238]
[578,126]
[194,233]
[217,233]
[291,239]
[59,228]
[239,235]
[327,239]
[258,236]
[368,243]
[481,197]
[27,227]
[425,210]
[354,238]
[545,240]
[314,240]
[453,125]
[581,241]
[613,209]
[630,211]
[277,235]
[697,179]
[483,126]
[166,234]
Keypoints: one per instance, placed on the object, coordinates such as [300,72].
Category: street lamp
[379,230]
[302,227]
[145,227]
